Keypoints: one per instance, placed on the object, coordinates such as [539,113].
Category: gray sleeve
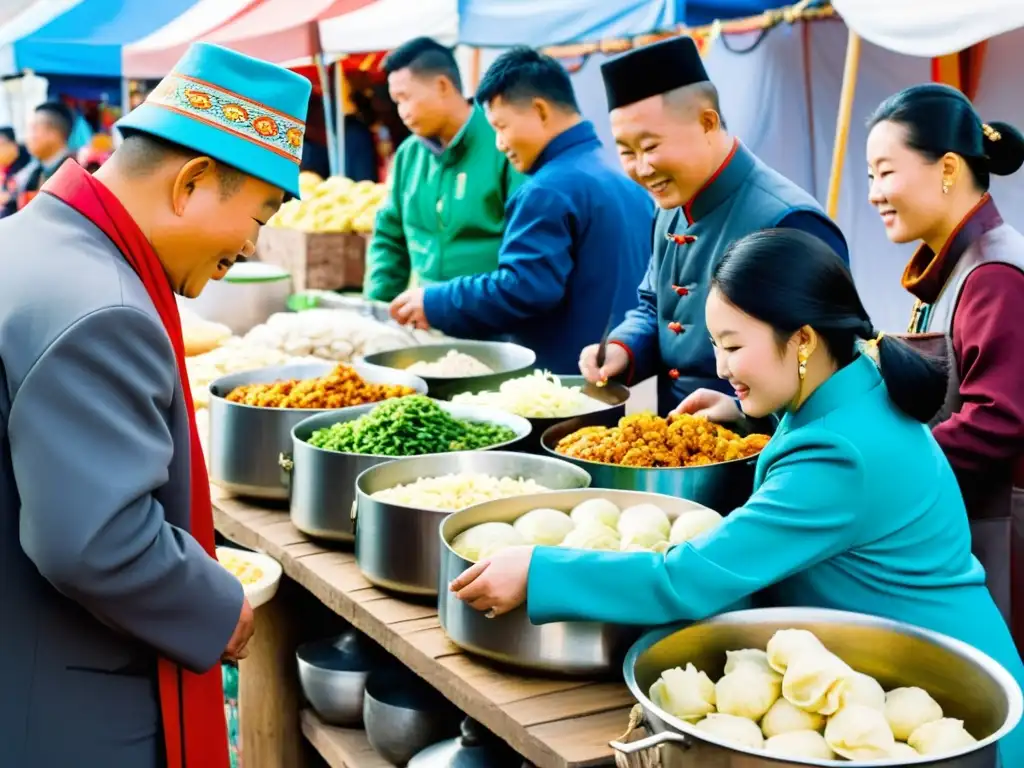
[90,445]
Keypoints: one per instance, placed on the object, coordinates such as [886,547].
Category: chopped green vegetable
[408,426]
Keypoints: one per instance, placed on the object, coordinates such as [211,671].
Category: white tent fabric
[202,17]
[930,27]
[33,16]
[386,24]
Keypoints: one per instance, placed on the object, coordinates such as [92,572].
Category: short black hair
[59,116]
[7,134]
[423,56]
[141,153]
[523,74]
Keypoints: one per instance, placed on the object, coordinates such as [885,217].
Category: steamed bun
[595,511]
[646,539]
[940,737]
[863,689]
[748,692]
[908,708]
[737,730]
[807,744]
[787,644]
[482,541]
[691,524]
[901,751]
[643,517]
[859,733]
[592,535]
[784,717]
[753,657]
[684,693]
[545,527]
[816,681]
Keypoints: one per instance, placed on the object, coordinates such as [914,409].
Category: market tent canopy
[19,18]
[381,25]
[87,39]
[934,28]
[695,13]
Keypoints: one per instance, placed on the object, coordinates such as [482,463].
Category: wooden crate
[327,261]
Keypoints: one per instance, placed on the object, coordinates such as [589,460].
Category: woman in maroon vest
[930,159]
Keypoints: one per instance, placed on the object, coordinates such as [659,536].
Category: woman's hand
[496,585]
[714,406]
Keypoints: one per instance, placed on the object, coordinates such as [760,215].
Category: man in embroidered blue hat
[112,594]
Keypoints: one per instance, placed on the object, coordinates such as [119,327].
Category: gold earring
[801,357]
[946,186]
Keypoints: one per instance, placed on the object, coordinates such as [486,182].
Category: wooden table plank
[553,723]
[340,747]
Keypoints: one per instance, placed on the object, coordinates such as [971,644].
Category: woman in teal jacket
[855,506]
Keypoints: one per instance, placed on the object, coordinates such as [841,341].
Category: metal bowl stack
[323,482]
[506,361]
[723,486]
[967,684]
[565,648]
[245,442]
[397,546]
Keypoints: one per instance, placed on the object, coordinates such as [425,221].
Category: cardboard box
[329,261]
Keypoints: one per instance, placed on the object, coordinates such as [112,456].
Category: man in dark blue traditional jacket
[577,238]
[711,190]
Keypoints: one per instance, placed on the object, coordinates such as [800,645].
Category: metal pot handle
[287,464]
[642,745]
[644,752]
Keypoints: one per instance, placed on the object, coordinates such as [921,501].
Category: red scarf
[192,706]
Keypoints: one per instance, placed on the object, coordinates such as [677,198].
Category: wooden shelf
[340,747]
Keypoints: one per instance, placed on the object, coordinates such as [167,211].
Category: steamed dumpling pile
[596,524]
[797,699]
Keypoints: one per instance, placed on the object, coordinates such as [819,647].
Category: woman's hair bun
[1004,148]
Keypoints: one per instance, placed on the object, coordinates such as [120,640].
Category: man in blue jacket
[578,237]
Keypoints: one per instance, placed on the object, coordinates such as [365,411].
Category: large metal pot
[397,546]
[245,442]
[507,361]
[968,684]
[569,648]
[723,487]
[323,483]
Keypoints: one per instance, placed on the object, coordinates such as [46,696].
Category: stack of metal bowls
[506,361]
[245,442]
[397,547]
[584,649]
[323,482]
[723,486]
[332,675]
[967,684]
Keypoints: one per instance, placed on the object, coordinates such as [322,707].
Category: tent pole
[328,102]
[843,121]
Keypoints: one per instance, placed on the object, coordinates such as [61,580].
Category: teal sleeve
[804,512]
[388,266]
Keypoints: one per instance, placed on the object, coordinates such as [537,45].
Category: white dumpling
[732,729]
[815,682]
[544,527]
[786,644]
[940,737]
[692,523]
[784,717]
[901,751]
[863,689]
[645,539]
[596,511]
[859,733]
[752,657]
[807,744]
[906,709]
[687,693]
[643,517]
[482,541]
[592,535]
[747,692]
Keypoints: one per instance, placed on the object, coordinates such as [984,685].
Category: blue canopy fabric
[87,39]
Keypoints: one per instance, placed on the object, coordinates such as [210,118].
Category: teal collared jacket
[854,508]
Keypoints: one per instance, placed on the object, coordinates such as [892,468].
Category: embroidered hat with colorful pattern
[242,111]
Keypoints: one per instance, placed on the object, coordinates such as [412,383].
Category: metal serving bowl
[323,483]
[507,361]
[332,675]
[723,486]
[613,398]
[245,442]
[397,546]
[569,648]
[968,684]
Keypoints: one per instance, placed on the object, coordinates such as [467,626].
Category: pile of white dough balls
[592,524]
[798,699]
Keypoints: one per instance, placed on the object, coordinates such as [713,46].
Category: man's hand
[237,645]
[616,362]
[407,309]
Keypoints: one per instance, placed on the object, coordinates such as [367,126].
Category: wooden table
[551,723]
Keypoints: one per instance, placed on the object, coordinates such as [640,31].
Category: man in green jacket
[445,215]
